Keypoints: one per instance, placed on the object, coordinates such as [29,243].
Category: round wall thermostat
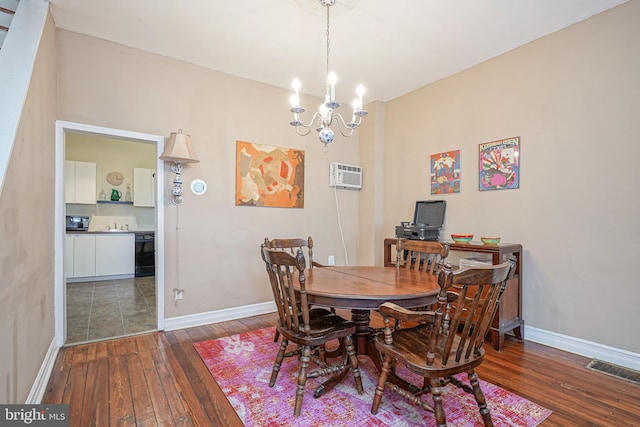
[115,178]
[198,187]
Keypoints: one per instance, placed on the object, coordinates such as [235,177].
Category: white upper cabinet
[80,182]
[144,186]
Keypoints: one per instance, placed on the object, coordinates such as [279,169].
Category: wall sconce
[178,151]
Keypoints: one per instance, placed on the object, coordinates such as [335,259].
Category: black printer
[428,219]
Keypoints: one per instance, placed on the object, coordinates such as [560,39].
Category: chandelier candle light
[324,119]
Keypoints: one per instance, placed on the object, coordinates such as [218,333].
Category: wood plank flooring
[159,379]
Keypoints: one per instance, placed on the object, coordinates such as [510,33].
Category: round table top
[366,288]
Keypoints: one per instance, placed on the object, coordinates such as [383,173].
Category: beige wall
[109,85]
[572,97]
[26,224]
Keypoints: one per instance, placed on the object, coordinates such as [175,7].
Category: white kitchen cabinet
[80,255]
[80,182]
[115,254]
[144,187]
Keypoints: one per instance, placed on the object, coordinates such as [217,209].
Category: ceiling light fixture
[324,119]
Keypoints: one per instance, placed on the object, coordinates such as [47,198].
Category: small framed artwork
[499,164]
[269,176]
[445,172]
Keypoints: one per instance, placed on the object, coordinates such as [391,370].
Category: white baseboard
[582,347]
[42,379]
[216,316]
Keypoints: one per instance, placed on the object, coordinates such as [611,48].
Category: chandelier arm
[303,133]
[317,117]
[345,130]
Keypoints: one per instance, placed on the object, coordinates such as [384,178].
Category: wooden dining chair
[421,255]
[292,245]
[307,331]
[448,342]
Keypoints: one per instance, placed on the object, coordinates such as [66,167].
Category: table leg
[361,319]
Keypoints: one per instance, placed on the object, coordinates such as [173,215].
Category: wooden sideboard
[509,314]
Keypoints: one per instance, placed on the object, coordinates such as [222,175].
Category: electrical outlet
[331,260]
[178,293]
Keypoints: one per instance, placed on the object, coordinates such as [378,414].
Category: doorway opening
[110,298]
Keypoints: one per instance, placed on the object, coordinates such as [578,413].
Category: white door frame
[59,217]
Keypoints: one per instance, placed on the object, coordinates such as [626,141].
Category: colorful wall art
[445,172]
[499,167]
[269,176]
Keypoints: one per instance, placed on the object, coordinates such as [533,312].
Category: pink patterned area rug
[241,364]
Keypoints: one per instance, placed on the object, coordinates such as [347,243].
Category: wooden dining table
[364,288]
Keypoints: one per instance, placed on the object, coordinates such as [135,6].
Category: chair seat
[322,324]
[331,322]
[408,346]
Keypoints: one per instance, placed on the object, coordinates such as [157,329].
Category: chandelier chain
[327,74]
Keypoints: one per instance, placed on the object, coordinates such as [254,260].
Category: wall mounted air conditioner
[345,176]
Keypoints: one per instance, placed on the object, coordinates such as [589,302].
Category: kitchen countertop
[108,232]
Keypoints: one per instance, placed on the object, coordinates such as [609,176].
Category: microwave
[77,223]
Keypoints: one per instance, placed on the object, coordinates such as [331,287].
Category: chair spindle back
[282,268]
[467,303]
[421,255]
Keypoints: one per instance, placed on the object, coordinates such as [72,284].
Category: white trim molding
[582,347]
[62,127]
[216,316]
[42,379]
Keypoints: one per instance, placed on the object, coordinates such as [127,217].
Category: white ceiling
[392,47]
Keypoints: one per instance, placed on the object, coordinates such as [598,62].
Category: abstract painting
[499,164]
[445,172]
[269,176]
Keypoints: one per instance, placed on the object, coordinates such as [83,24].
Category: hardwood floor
[159,379]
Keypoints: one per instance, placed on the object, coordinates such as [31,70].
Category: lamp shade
[179,149]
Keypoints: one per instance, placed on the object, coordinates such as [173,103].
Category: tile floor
[111,308]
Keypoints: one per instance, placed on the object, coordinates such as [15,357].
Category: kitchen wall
[218,263]
[572,98]
[109,155]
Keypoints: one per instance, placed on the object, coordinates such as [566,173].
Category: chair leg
[384,372]
[438,408]
[276,336]
[480,399]
[302,378]
[351,352]
[278,362]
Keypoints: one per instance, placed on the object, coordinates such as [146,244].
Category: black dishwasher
[145,254]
